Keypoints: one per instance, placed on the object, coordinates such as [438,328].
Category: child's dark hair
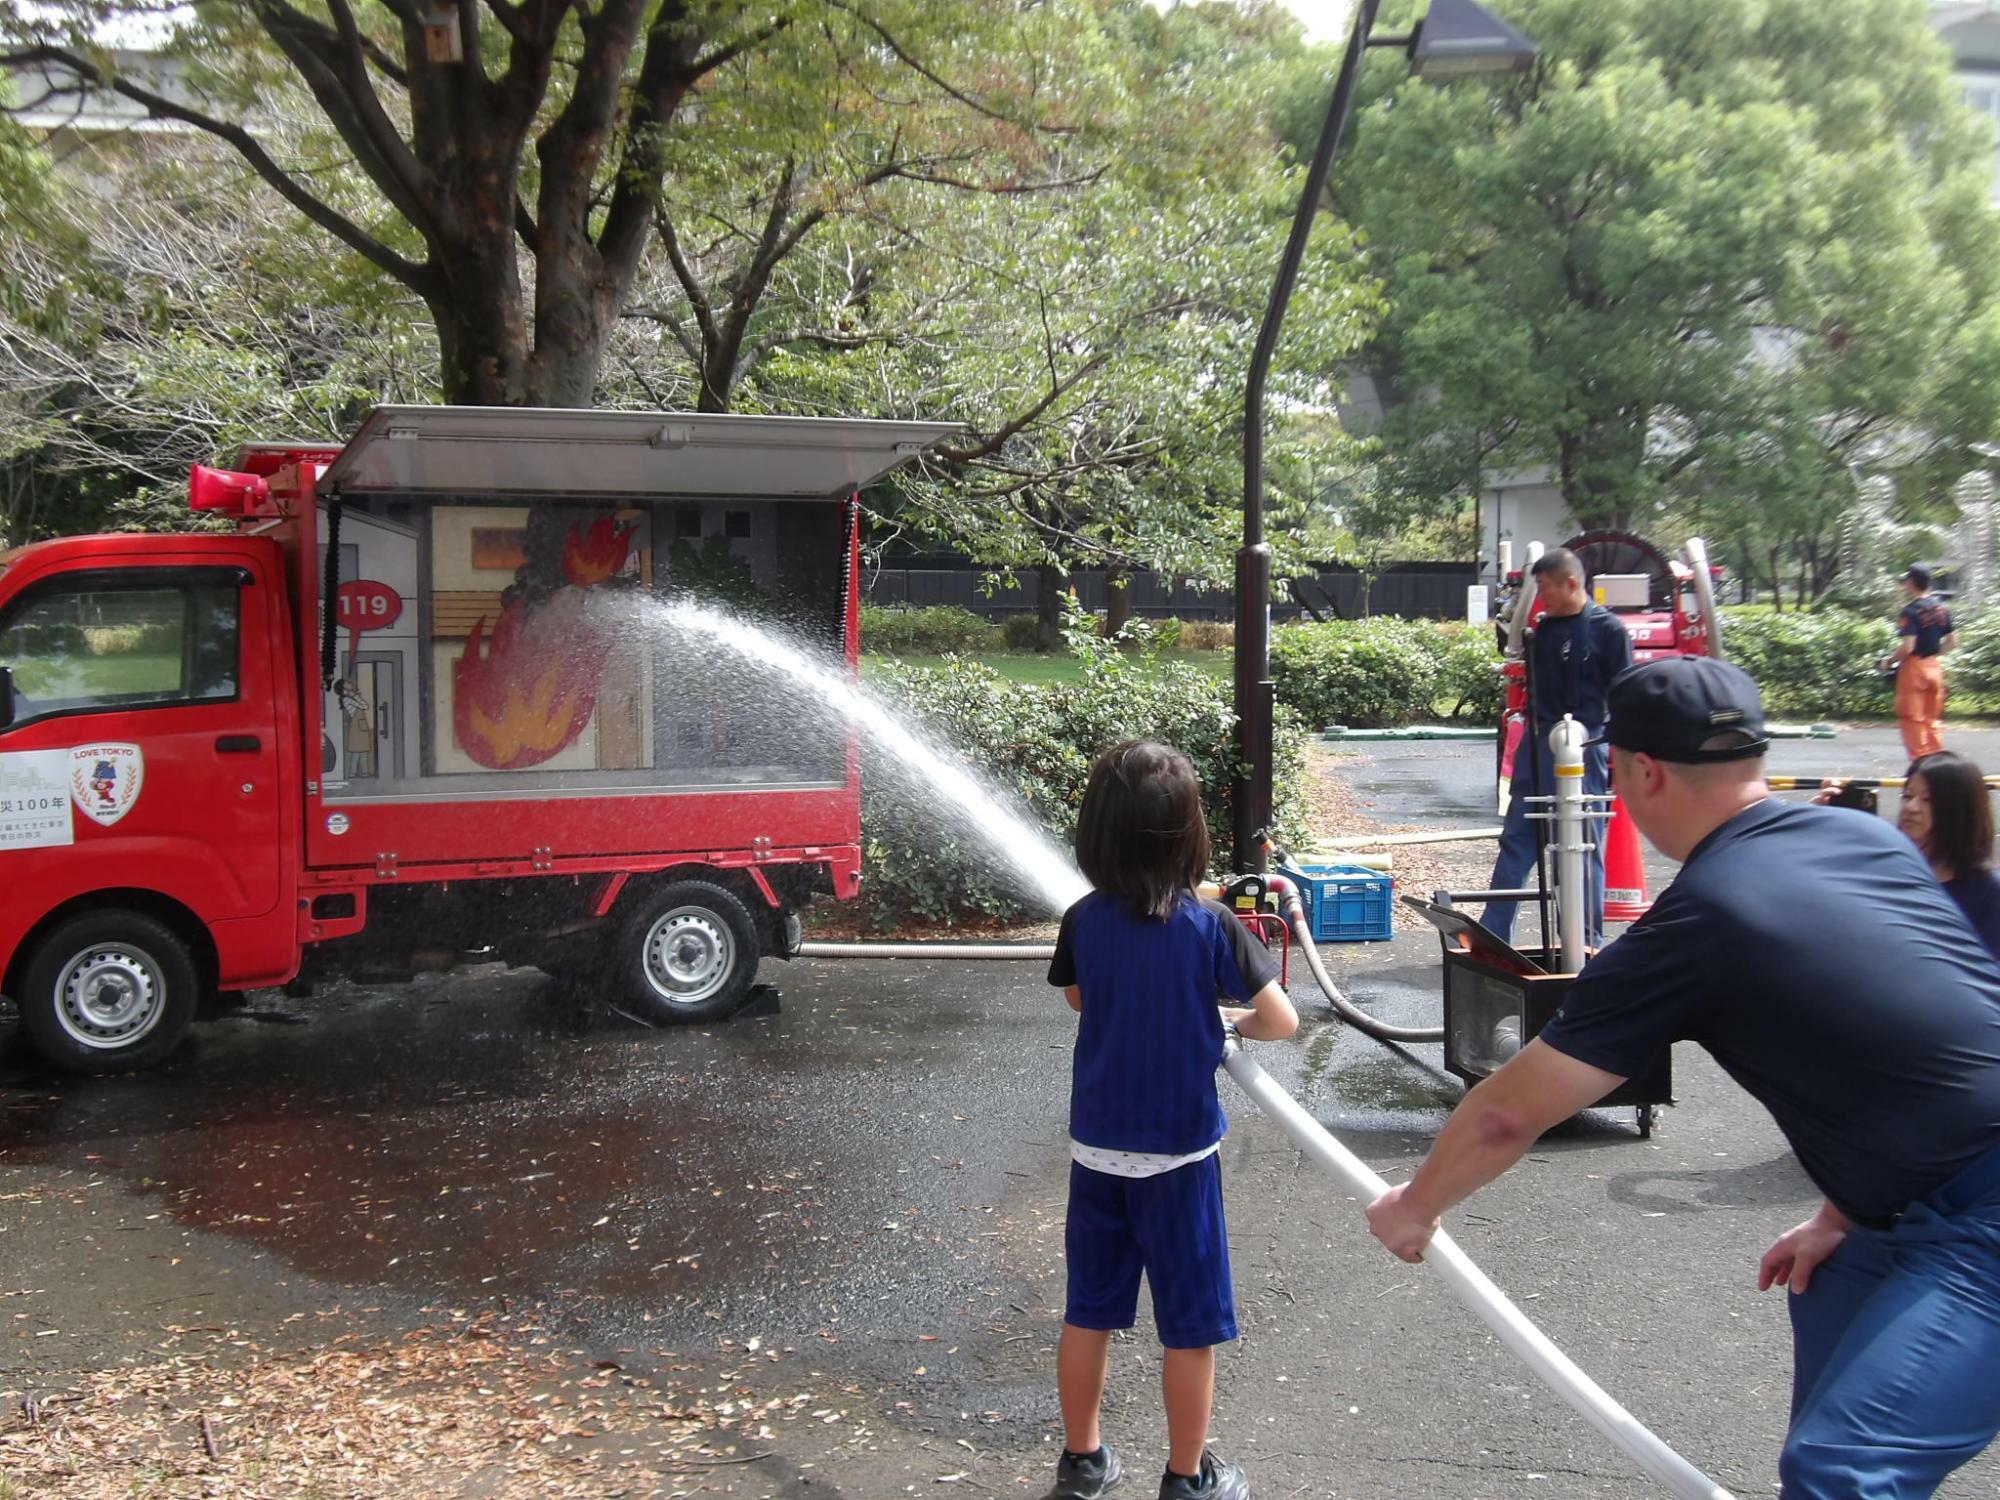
[1961,812]
[1142,838]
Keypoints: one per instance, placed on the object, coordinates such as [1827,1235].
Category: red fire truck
[416,703]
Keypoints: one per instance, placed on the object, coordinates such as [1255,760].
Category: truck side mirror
[6,697]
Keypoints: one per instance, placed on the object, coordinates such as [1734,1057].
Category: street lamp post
[1456,38]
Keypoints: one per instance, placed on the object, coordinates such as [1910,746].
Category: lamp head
[1460,38]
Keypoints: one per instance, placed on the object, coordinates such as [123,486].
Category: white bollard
[1572,848]
[1472,1287]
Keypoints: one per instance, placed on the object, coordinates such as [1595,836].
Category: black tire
[108,992]
[1646,1120]
[688,952]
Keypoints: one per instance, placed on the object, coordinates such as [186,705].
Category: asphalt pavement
[871,1180]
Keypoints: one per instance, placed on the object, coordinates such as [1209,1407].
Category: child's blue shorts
[1169,1226]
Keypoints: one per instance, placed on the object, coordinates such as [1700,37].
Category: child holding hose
[1142,960]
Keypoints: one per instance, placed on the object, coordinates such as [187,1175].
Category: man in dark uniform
[1576,649]
[1791,946]
[1923,634]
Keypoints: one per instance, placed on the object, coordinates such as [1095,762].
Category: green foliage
[1036,744]
[1825,664]
[1974,668]
[1367,674]
[933,630]
[714,574]
[1468,666]
[1197,635]
[1699,261]
[1021,632]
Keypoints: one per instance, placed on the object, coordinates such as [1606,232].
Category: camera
[1860,798]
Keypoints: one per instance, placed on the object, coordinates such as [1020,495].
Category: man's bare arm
[1491,1129]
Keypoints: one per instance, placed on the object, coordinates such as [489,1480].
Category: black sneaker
[1084,1476]
[1220,1480]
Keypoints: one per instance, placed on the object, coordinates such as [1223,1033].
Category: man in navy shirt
[1813,954]
[1576,649]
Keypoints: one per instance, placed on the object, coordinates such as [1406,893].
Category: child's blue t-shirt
[1150,1038]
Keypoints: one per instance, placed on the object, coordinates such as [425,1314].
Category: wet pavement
[871,1182]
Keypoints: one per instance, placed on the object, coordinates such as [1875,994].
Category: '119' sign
[367,605]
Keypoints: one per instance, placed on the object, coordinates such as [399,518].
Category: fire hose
[1473,1288]
[1467,1282]
[1295,917]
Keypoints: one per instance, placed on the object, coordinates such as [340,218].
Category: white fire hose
[1477,1292]
[1466,1280]
[1043,951]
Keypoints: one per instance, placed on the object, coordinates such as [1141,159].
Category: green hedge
[1973,670]
[934,630]
[1036,745]
[1372,674]
[1820,665]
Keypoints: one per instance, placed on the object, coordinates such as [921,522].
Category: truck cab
[427,696]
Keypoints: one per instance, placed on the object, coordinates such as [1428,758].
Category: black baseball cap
[1672,708]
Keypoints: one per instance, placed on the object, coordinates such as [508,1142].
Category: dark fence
[1415,591]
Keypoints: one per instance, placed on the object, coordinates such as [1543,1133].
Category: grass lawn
[1056,666]
[107,676]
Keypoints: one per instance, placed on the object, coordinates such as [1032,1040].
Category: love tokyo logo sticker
[104,780]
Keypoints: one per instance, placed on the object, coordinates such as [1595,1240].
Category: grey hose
[1295,913]
[1360,1020]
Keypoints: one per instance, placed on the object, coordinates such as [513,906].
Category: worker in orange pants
[1924,633]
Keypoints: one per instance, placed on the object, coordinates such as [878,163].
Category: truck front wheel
[108,992]
[689,952]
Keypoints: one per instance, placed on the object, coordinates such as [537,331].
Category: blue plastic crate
[1345,903]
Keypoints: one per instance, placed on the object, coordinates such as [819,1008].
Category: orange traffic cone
[1625,898]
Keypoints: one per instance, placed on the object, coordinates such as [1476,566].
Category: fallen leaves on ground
[470,1407]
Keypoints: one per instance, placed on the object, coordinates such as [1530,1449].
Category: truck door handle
[238,744]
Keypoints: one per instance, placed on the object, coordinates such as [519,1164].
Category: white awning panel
[512,450]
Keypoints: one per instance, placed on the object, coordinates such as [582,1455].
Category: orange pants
[1920,704]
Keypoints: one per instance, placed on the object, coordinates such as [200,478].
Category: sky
[1326,20]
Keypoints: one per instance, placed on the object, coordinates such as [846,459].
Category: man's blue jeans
[1896,1350]
[1534,776]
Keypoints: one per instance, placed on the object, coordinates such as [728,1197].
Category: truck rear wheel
[689,952]
[108,992]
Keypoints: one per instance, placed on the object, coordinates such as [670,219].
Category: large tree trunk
[1048,607]
[1117,600]
[1596,465]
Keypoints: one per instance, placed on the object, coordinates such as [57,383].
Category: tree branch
[420,278]
[708,62]
[1001,188]
[903,54]
[697,295]
[1006,432]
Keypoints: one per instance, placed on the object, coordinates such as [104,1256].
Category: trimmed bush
[1974,668]
[1021,633]
[1367,674]
[1197,635]
[1820,665]
[1468,666]
[1036,745]
[934,630]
